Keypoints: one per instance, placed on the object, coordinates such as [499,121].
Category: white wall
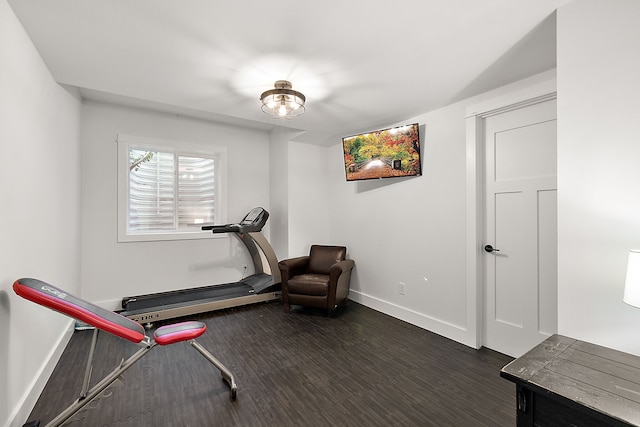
[413,230]
[308,193]
[410,230]
[40,215]
[112,270]
[299,195]
[278,184]
[598,168]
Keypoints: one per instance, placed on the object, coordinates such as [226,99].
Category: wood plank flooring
[360,368]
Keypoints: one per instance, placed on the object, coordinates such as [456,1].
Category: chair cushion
[321,258]
[309,284]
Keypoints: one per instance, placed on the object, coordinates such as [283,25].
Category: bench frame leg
[99,388]
[226,373]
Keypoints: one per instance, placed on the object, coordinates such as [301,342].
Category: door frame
[535,93]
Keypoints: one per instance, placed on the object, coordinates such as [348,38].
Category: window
[167,191]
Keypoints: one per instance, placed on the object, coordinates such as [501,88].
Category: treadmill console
[253,221]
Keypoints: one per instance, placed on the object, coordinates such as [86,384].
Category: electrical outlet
[401,288]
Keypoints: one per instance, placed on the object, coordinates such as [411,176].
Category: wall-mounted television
[385,153]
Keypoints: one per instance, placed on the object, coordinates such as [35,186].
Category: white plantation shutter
[161,199]
[151,192]
[168,189]
[196,191]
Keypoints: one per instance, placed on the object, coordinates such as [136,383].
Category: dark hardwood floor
[361,368]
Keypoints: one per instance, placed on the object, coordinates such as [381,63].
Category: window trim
[219,154]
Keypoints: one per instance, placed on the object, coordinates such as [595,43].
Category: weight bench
[56,299]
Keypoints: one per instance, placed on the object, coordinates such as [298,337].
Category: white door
[520,274]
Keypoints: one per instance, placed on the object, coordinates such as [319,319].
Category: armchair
[320,279]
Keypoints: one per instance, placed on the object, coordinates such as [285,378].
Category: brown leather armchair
[320,279]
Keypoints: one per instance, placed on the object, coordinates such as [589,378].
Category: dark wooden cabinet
[567,382]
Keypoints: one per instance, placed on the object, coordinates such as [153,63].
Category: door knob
[490,249]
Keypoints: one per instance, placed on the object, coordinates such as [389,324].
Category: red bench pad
[177,332]
[56,299]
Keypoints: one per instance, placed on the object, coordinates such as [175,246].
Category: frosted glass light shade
[283,102]
[632,284]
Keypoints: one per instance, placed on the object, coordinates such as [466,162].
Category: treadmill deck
[167,305]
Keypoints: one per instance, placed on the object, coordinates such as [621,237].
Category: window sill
[157,237]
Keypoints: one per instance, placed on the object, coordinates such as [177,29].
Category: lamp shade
[632,284]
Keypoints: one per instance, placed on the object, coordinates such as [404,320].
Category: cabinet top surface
[600,378]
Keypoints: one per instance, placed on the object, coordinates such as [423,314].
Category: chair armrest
[341,267]
[340,275]
[340,281]
[293,267]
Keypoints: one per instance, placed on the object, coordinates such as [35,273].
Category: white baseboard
[26,404]
[441,327]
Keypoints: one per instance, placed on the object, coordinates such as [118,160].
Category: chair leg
[331,312]
[287,308]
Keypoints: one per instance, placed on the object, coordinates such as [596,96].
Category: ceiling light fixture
[283,102]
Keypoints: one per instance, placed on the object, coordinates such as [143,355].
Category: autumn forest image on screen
[383,154]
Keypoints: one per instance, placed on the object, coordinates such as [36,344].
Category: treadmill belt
[209,293]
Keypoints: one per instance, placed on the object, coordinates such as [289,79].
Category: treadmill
[262,286]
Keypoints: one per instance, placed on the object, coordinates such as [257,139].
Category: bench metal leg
[89,369]
[98,388]
[226,374]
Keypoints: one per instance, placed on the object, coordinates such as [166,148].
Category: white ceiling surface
[362,64]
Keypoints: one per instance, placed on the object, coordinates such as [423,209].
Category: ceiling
[361,64]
